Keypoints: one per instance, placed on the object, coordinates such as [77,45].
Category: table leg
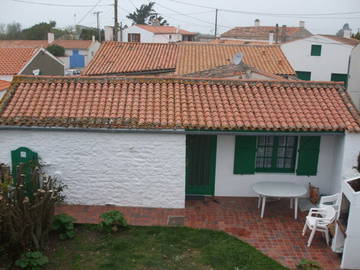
[263,206]
[259,201]
[296,207]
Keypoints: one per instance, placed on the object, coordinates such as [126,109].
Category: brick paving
[278,235]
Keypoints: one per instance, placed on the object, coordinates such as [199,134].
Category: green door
[200,164]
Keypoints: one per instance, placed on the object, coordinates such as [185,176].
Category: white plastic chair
[331,200]
[318,219]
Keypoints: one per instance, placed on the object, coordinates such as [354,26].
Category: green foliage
[145,14]
[38,31]
[32,260]
[86,34]
[56,50]
[308,265]
[356,36]
[64,224]
[112,221]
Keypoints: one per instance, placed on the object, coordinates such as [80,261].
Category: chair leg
[259,201]
[327,237]
[311,237]
[304,230]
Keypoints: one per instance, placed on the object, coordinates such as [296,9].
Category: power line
[55,5]
[266,13]
[89,11]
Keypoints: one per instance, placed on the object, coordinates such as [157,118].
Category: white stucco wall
[351,151]
[145,36]
[124,169]
[229,184]
[354,76]
[334,57]
[167,38]
[6,77]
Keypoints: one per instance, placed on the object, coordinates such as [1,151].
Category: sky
[199,18]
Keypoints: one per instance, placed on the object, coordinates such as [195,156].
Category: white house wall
[6,77]
[334,57]
[145,36]
[229,184]
[124,169]
[166,38]
[354,76]
[351,151]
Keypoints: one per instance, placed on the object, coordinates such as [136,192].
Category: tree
[56,50]
[86,34]
[356,36]
[39,31]
[11,31]
[145,15]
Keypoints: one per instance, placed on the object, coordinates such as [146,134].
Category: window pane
[280,163]
[290,141]
[282,140]
[289,152]
[261,140]
[259,162]
[288,163]
[267,163]
[270,140]
[268,152]
[281,152]
[260,151]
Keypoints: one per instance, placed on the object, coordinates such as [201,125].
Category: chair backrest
[328,214]
[333,200]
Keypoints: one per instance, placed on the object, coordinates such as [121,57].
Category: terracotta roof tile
[4,85]
[126,57]
[178,103]
[197,57]
[12,60]
[183,58]
[67,44]
[258,32]
[164,29]
[73,44]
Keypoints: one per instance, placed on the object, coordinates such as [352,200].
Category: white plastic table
[278,190]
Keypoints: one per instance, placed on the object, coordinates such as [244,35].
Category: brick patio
[278,235]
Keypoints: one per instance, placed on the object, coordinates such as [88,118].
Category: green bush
[308,265]
[64,224]
[112,221]
[56,50]
[32,260]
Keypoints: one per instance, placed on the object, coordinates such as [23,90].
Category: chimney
[277,33]
[257,22]
[109,33]
[283,33]
[302,24]
[347,33]
[93,38]
[51,38]
[271,37]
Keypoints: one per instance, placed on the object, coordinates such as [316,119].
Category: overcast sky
[197,19]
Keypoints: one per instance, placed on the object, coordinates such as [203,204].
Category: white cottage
[156,34]
[320,57]
[141,141]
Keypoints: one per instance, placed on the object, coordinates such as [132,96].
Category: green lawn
[156,248]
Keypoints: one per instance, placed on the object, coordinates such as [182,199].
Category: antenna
[237,58]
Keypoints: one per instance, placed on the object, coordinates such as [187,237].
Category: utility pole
[116,22]
[216,19]
[97,13]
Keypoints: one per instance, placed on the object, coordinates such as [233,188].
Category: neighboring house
[78,53]
[150,141]
[28,61]
[124,58]
[354,76]
[271,34]
[156,34]
[4,85]
[320,57]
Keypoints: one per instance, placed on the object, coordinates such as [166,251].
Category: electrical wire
[55,5]
[90,10]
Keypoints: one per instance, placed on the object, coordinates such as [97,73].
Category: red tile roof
[260,32]
[12,60]
[164,29]
[67,44]
[349,41]
[178,103]
[197,57]
[4,85]
[182,58]
[126,57]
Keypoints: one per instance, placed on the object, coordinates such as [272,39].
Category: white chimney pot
[302,24]
[51,38]
[257,22]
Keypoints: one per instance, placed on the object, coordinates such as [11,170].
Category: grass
[156,248]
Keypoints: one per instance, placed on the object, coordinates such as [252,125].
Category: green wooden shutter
[338,77]
[245,153]
[303,75]
[308,155]
[315,50]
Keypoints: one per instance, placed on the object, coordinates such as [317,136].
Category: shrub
[32,260]
[56,50]
[112,221]
[26,207]
[308,265]
[64,224]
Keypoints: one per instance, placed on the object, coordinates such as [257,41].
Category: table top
[279,189]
